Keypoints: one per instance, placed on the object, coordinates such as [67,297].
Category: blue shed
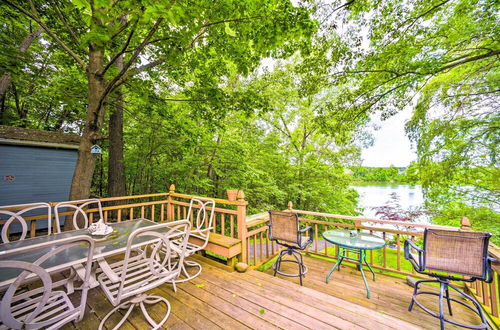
[35,165]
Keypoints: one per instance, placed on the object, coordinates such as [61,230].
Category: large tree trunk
[116,167]
[6,76]
[85,165]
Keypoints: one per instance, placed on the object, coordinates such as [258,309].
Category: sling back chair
[43,303]
[144,269]
[13,214]
[445,256]
[284,230]
[200,215]
[79,213]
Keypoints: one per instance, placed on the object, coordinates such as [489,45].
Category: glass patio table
[112,244]
[354,242]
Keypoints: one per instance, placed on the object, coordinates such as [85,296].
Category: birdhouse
[95,149]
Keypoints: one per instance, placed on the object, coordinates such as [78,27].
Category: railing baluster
[486,294]
[105,216]
[231,224]
[267,243]
[131,212]
[255,250]
[316,240]
[398,244]
[119,217]
[152,213]
[222,224]
[261,248]
[384,251]
[91,218]
[142,212]
[32,228]
[162,212]
[494,295]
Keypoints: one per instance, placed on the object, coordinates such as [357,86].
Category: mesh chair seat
[284,230]
[302,243]
[451,252]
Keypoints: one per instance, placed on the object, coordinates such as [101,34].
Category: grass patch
[265,266]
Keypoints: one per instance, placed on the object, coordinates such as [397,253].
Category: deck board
[218,299]
[389,295]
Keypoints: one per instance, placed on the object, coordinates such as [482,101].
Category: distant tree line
[390,174]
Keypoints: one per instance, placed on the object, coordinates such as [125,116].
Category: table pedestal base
[361,258]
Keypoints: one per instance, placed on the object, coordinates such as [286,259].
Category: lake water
[375,195]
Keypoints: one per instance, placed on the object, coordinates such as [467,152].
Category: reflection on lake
[375,195]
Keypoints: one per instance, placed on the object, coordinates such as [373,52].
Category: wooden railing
[230,220]
[229,216]
[389,259]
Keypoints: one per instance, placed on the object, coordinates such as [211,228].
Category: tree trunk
[85,164]
[116,167]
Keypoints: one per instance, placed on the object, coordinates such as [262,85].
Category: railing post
[465,224]
[170,206]
[290,206]
[241,218]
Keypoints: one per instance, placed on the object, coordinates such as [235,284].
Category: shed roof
[35,137]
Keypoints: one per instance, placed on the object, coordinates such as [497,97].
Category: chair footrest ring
[303,268]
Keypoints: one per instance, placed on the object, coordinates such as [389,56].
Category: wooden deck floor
[219,299]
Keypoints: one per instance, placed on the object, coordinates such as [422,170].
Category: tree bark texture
[116,166]
[85,164]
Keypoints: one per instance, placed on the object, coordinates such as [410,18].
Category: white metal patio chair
[44,303]
[13,214]
[79,211]
[154,265]
[200,214]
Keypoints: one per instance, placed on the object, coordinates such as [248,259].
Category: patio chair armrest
[417,264]
[489,271]
[106,269]
[303,230]
[311,233]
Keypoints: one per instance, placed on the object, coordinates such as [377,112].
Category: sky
[391,145]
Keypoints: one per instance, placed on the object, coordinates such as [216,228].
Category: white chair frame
[79,206]
[151,267]
[15,212]
[202,225]
[42,307]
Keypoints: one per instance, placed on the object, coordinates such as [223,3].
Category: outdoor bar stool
[444,254]
[35,299]
[156,264]
[284,230]
[15,214]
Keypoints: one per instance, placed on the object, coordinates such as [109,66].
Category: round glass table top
[361,241]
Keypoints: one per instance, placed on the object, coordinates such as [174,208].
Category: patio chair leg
[442,288]
[277,263]
[139,300]
[188,263]
[448,299]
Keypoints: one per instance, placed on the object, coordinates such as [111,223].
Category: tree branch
[111,85]
[35,18]
[469,59]
[124,48]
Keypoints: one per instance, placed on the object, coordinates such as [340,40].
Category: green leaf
[228,30]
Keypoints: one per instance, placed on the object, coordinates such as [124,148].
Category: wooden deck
[219,299]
